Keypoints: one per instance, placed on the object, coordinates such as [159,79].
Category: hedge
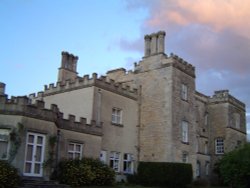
[164,174]
[84,172]
[9,177]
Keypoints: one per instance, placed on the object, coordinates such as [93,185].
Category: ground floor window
[207,166]
[198,169]
[128,165]
[103,156]
[75,150]
[115,161]
[4,143]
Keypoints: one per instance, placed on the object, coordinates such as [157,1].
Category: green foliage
[8,175]
[84,172]
[15,141]
[50,162]
[164,174]
[234,167]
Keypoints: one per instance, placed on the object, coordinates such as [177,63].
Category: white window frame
[75,152]
[114,161]
[116,117]
[128,163]
[184,92]
[219,146]
[185,157]
[184,131]
[5,139]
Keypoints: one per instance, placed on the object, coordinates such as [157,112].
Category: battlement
[85,81]
[223,96]
[182,65]
[22,106]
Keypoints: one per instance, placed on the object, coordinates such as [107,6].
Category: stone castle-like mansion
[151,113]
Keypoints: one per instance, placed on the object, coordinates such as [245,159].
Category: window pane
[29,153]
[38,153]
[39,140]
[31,139]
[78,147]
[71,147]
[37,168]
[70,155]
[27,168]
[3,149]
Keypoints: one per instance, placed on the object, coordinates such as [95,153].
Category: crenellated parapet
[182,65]
[86,81]
[223,96]
[22,106]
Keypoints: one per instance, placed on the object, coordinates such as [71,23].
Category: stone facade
[152,113]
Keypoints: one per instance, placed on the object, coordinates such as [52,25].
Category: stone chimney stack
[154,44]
[2,88]
[67,71]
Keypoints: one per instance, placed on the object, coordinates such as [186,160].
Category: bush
[234,167]
[84,172]
[164,174]
[8,175]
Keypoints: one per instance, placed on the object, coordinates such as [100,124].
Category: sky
[213,35]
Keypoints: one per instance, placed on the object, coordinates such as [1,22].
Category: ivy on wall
[15,141]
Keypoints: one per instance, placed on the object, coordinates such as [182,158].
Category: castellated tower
[67,71]
[166,104]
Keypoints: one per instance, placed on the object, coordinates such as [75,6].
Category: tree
[234,167]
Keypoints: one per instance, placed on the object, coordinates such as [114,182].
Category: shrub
[234,167]
[164,174]
[8,175]
[84,172]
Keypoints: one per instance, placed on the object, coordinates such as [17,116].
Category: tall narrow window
[219,146]
[206,119]
[128,163]
[184,157]
[207,166]
[237,120]
[184,92]
[74,150]
[206,148]
[103,156]
[116,116]
[184,127]
[198,168]
[4,143]
[115,161]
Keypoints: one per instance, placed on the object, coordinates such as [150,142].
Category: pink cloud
[217,14]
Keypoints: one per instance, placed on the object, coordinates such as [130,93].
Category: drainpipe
[57,149]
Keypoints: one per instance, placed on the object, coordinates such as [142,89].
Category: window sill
[187,143]
[117,124]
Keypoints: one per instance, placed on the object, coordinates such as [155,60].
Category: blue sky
[108,34]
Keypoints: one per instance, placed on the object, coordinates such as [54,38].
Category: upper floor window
[237,120]
[184,92]
[4,143]
[219,146]
[117,116]
[184,157]
[184,127]
[75,150]
[206,119]
[128,165]
[206,148]
[115,161]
